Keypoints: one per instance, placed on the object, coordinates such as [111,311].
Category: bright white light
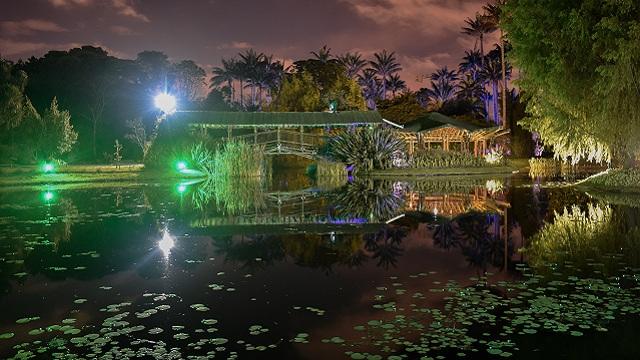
[166,243]
[166,103]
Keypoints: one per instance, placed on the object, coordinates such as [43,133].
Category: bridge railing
[284,137]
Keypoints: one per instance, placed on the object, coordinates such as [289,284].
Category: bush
[366,148]
[438,158]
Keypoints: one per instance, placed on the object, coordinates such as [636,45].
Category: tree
[58,134]
[371,87]
[395,84]
[138,136]
[187,79]
[353,64]
[225,75]
[323,55]
[298,93]
[478,27]
[402,109]
[492,15]
[385,65]
[579,66]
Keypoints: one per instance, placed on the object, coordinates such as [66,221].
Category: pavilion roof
[434,120]
[214,119]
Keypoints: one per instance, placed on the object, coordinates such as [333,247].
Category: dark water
[448,268]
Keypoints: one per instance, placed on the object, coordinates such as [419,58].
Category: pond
[284,268]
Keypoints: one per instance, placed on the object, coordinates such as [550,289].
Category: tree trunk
[95,125]
[505,123]
[496,94]
[241,94]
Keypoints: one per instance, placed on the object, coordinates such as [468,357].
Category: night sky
[424,33]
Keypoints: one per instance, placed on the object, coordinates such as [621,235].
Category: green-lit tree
[58,134]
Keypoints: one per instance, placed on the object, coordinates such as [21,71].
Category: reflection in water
[368,199]
[587,235]
[478,236]
[166,243]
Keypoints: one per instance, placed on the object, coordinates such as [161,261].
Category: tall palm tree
[385,65]
[395,84]
[353,63]
[478,27]
[323,55]
[492,16]
[251,61]
[492,73]
[224,74]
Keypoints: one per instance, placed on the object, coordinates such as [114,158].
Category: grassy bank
[74,174]
[619,180]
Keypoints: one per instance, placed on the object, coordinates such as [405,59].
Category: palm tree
[251,61]
[471,63]
[491,73]
[445,75]
[353,63]
[224,74]
[493,13]
[395,84]
[371,87]
[385,65]
[478,27]
[323,55]
[441,92]
[470,90]
[424,97]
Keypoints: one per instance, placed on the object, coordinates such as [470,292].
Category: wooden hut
[439,131]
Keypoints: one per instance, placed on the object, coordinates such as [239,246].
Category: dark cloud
[425,34]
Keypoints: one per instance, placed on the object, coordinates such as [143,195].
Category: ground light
[166,103]
[48,196]
[48,167]
[182,188]
[181,166]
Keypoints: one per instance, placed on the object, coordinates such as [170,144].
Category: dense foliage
[366,148]
[26,135]
[437,158]
[579,64]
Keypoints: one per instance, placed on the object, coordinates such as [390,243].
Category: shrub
[366,148]
[437,158]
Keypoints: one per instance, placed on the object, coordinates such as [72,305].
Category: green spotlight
[181,165]
[182,188]
[48,196]
[47,167]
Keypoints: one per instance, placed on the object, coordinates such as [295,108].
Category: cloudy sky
[425,34]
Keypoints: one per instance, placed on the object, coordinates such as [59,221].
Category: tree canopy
[579,63]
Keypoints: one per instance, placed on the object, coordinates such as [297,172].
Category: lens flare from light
[166,103]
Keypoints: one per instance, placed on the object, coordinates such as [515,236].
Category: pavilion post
[255,135]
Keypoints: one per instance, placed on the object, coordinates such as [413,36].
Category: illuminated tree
[579,65]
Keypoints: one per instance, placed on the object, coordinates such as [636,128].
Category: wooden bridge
[283,141]
[281,133]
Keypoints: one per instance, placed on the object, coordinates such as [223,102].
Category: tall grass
[438,158]
[232,159]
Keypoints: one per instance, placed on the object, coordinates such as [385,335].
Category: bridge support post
[301,138]
[255,135]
